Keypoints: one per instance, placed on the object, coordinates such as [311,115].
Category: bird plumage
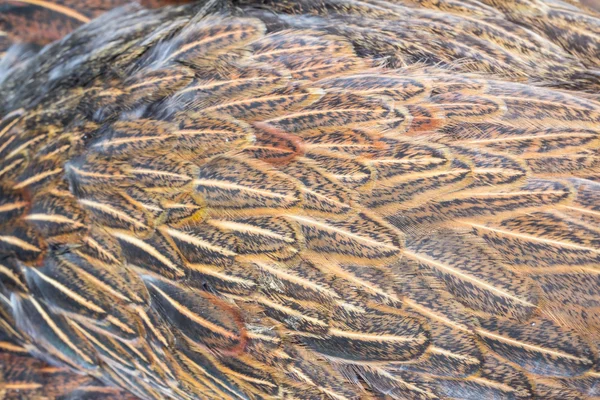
[39,22]
[308,199]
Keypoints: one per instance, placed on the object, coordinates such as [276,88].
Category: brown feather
[328,199]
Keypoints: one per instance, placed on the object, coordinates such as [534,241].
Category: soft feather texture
[309,199]
[25,377]
[40,22]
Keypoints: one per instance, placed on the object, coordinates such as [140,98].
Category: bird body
[331,199]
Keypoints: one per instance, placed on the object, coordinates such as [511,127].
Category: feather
[315,199]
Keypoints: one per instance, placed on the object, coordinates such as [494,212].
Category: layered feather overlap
[308,199]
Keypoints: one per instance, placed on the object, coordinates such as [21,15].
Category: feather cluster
[314,199]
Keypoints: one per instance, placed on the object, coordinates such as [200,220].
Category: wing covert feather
[330,199]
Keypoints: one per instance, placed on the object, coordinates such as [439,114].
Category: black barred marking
[542,347]
[198,315]
[151,254]
[56,214]
[116,211]
[396,87]
[252,374]
[22,240]
[11,275]
[55,332]
[259,235]
[203,245]
[252,109]
[56,284]
[371,337]
[345,170]
[475,275]
[359,237]
[12,205]
[38,175]
[477,203]
[204,370]
[335,110]
[466,108]
[128,137]
[278,45]
[220,186]
[396,201]
[232,281]
[397,194]
[215,36]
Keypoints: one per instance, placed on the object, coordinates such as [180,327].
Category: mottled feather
[314,199]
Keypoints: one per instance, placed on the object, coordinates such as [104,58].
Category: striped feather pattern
[329,199]
[43,21]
